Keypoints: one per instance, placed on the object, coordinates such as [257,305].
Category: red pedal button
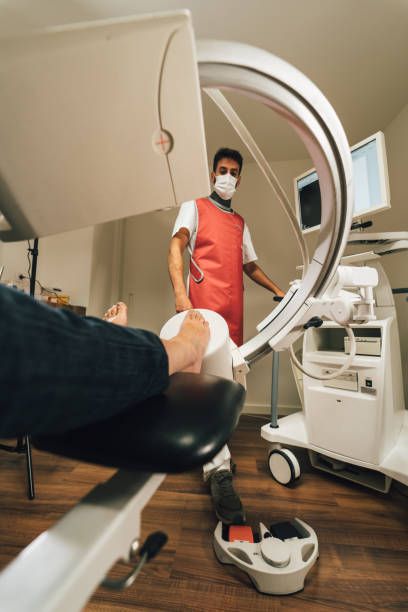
[240,532]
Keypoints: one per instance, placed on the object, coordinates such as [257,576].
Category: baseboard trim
[265,409]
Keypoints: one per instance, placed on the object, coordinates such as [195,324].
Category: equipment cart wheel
[283,466]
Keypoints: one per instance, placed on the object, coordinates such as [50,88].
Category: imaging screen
[367,188]
[310,201]
[370,185]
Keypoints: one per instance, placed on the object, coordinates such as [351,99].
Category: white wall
[106,267]
[64,261]
[396,266]
[146,286]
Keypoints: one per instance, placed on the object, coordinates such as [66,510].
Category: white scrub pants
[221,461]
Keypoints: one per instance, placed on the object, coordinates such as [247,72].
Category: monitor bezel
[385,204]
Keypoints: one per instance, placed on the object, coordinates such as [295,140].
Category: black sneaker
[227,505]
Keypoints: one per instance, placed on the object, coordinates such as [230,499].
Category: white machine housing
[218,355]
[358,415]
[92,124]
[355,426]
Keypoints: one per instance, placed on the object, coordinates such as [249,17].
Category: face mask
[225,186]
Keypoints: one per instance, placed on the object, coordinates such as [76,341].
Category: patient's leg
[117,314]
[186,350]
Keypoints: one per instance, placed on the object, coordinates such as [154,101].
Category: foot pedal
[276,564]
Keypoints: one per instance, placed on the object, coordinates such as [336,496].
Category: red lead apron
[218,253]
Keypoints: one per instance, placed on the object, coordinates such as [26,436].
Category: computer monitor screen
[371,186]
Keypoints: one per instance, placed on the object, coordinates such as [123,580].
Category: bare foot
[195,330]
[117,314]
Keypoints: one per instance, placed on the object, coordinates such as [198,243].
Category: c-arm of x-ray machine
[103,120]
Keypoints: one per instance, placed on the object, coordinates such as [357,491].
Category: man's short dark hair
[230,154]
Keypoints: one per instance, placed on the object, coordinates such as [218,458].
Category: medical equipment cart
[354,426]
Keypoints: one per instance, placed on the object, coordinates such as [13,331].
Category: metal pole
[31,492]
[34,254]
[274,390]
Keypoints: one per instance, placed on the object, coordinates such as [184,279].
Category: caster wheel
[283,466]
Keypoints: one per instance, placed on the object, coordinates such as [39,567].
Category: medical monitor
[99,121]
[371,185]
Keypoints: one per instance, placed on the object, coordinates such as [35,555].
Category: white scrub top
[188,218]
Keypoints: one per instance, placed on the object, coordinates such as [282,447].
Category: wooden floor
[363,535]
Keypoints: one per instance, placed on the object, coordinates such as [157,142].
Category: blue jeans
[59,371]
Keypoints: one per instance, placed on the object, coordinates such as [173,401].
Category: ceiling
[355,51]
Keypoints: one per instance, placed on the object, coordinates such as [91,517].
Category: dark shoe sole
[238,519]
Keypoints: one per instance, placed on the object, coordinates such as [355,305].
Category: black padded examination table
[180,429]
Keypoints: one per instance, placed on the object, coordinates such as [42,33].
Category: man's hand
[183,303]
